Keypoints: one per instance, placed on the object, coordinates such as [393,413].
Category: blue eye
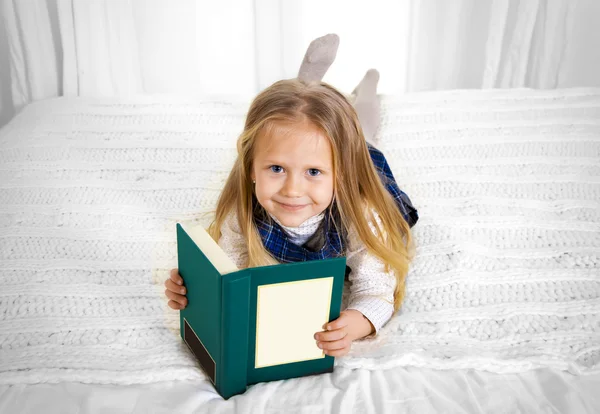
[276,169]
[313,172]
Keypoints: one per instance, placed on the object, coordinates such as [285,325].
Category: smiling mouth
[292,207]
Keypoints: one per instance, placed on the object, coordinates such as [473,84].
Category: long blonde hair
[355,177]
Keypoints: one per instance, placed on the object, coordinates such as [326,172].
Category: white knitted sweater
[507,273]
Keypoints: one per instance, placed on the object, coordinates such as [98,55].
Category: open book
[256,324]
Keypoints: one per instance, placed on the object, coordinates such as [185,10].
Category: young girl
[307,186]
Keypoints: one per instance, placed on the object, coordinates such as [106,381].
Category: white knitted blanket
[506,278]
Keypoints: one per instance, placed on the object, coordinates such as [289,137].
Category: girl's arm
[372,288]
[232,241]
[370,305]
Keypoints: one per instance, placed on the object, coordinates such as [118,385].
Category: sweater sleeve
[232,241]
[372,288]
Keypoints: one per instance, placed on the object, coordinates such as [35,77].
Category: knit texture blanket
[506,276]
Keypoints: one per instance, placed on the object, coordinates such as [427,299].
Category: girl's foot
[319,56]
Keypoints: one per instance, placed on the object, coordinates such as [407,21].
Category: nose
[292,187]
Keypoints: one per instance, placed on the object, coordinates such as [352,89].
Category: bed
[502,311]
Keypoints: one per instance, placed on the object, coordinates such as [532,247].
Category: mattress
[503,299]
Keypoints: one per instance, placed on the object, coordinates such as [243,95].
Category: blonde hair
[293,101]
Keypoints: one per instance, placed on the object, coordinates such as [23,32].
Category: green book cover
[256,324]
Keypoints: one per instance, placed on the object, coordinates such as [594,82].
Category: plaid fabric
[276,241]
[387,178]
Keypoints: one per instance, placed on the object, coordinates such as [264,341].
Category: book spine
[235,307]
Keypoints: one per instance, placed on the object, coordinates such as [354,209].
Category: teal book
[257,324]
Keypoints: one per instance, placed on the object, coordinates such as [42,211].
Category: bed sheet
[397,390]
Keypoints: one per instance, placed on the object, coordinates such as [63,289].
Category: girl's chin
[289,219]
[293,221]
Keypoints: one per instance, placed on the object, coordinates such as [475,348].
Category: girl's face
[293,170]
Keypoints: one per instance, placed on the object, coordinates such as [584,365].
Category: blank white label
[287,317]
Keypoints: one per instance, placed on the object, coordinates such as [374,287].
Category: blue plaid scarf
[277,242]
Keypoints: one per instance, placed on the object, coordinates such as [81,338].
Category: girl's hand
[176,291]
[339,334]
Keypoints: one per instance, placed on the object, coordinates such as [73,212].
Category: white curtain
[127,47]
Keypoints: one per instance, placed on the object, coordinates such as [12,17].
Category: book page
[211,249]
[288,316]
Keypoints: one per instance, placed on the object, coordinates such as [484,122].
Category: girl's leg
[319,56]
[366,104]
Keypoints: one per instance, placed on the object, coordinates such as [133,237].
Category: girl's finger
[174,305]
[176,277]
[170,285]
[335,345]
[329,336]
[182,300]
[339,323]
